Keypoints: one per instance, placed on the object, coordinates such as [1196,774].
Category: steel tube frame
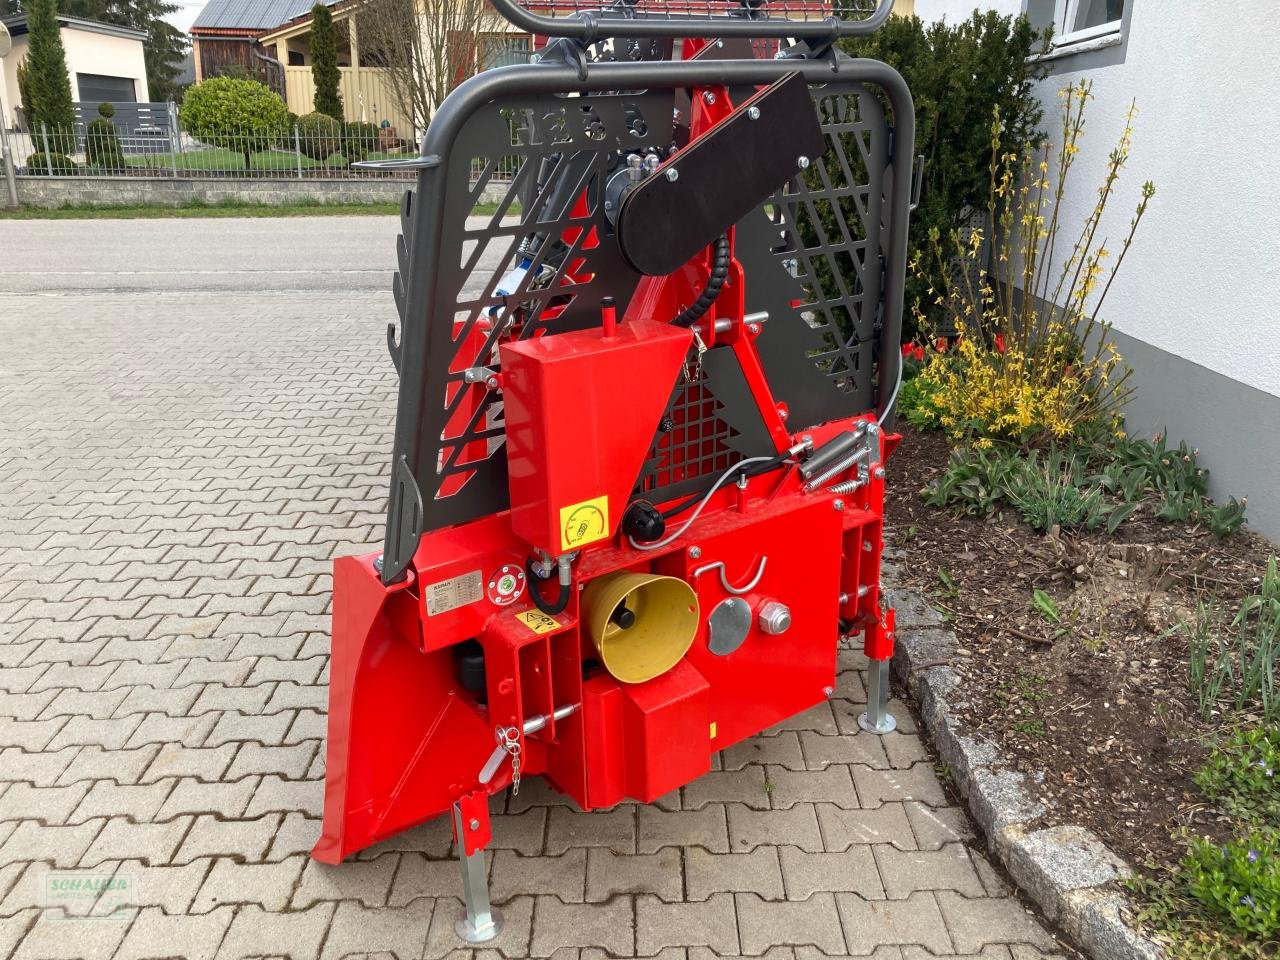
[404,510]
[590,26]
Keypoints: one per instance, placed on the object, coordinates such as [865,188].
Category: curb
[1067,870]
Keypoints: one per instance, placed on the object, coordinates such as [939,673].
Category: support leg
[479,921]
[877,718]
[878,645]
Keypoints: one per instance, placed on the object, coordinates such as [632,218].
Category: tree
[957,76]
[241,115]
[48,85]
[324,62]
[427,54]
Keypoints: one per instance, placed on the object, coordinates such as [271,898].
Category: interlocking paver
[975,922]
[763,924]
[368,881]
[713,923]
[666,828]
[266,884]
[746,785]
[247,839]
[782,750]
[610,873]
[870,923]
[948,868]
[358,931]
[610,926]
[564,876]
[853,870]
[614,829]
[707,874]
[832,784]
[157,934]
[887,823]
[749,828]
[166,534]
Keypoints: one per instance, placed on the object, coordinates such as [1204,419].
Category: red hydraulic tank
[580,409]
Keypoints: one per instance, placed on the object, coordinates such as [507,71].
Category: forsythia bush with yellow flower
[1020,368]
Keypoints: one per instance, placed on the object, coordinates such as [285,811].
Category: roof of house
[17,25]
[249,16]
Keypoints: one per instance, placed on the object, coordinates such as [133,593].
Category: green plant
[1238,882]
[917,403]
[1046,606]
[975,480]
[241,115]
[1242,775]
[1020,370]
[956,73]
[324,62]
[106,109]
[50,164]
[102,144]
[359,140]
[48,84]
[319,135]
[1241,668]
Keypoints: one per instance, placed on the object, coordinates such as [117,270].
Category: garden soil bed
[1095,709]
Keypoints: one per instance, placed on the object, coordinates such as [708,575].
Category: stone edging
[1067,871]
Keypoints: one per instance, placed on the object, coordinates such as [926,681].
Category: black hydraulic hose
[719,271]
[550,609]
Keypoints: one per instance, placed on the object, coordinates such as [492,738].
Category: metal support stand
[877,718]
[479,921]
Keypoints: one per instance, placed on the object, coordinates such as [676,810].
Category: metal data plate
[715,181]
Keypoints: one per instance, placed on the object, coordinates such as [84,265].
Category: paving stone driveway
[194,419]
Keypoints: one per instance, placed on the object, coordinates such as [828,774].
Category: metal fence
[302,151]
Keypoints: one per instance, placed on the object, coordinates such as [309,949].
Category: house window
[1077,21]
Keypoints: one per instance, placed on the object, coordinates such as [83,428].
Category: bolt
[879,474]
[695,552]
[828,691]
[837,505]
[492,383]
[708,97]
[608,204]
[672,174]
[474,825]
[802,162]
[753,113]
[753,329]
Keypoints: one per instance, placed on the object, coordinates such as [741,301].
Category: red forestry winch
[637,482]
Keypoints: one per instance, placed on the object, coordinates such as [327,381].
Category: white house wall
[87,52]
[1196,308]
[1202,281]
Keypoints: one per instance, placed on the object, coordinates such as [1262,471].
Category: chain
[509,740]
[693,368]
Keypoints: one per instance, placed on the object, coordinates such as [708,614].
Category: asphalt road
[301,255]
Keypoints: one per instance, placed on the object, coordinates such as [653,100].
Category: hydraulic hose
[719,271]
[562,598]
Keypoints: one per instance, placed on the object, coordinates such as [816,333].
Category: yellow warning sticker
[537,621]
[713,729]
[583,523]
